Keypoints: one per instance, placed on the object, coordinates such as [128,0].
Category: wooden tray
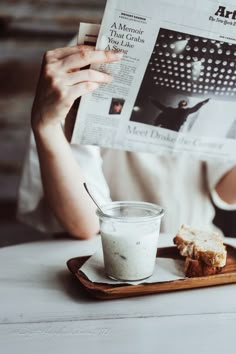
[110,291]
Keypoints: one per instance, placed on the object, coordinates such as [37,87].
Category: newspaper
[174,89]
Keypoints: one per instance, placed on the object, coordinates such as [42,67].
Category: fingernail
[118,55]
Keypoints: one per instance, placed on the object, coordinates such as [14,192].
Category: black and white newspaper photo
[188,86]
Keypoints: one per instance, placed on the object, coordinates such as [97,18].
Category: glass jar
[129,233]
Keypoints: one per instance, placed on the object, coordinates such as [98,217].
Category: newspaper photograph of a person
[174,90]
[188,86]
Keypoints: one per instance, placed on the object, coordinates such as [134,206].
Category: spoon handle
[92,197]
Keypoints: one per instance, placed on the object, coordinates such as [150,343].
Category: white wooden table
[42,310]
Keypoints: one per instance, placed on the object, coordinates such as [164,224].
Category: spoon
[93,198]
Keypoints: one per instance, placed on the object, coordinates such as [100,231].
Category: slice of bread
[204,251]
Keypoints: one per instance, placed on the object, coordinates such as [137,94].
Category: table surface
[43,309]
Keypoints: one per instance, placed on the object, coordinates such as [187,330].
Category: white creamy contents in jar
[129,232]
[130,256]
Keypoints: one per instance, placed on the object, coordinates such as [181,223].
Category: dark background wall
[27,30]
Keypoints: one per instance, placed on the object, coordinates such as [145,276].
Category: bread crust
[196,268]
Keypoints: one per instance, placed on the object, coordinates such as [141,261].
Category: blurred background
[27,30]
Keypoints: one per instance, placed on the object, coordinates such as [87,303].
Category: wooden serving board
[110,291]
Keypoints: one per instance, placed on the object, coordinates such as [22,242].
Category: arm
[157,103]
[198,106]
[226,187]
[61,82]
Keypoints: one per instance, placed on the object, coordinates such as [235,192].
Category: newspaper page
[174,90]
[88,33]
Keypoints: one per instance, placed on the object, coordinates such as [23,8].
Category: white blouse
[183,186]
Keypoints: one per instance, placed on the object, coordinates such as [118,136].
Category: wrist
[49,136]
[46,130]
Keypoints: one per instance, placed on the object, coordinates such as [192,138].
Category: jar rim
[155,211]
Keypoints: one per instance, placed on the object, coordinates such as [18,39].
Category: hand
[61,82]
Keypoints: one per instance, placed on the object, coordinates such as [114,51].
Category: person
[51,194]
[116,106]
[174,118]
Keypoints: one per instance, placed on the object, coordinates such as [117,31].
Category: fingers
[61,80]
[87,75]
[60,53]
[87,57]
[81,89]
